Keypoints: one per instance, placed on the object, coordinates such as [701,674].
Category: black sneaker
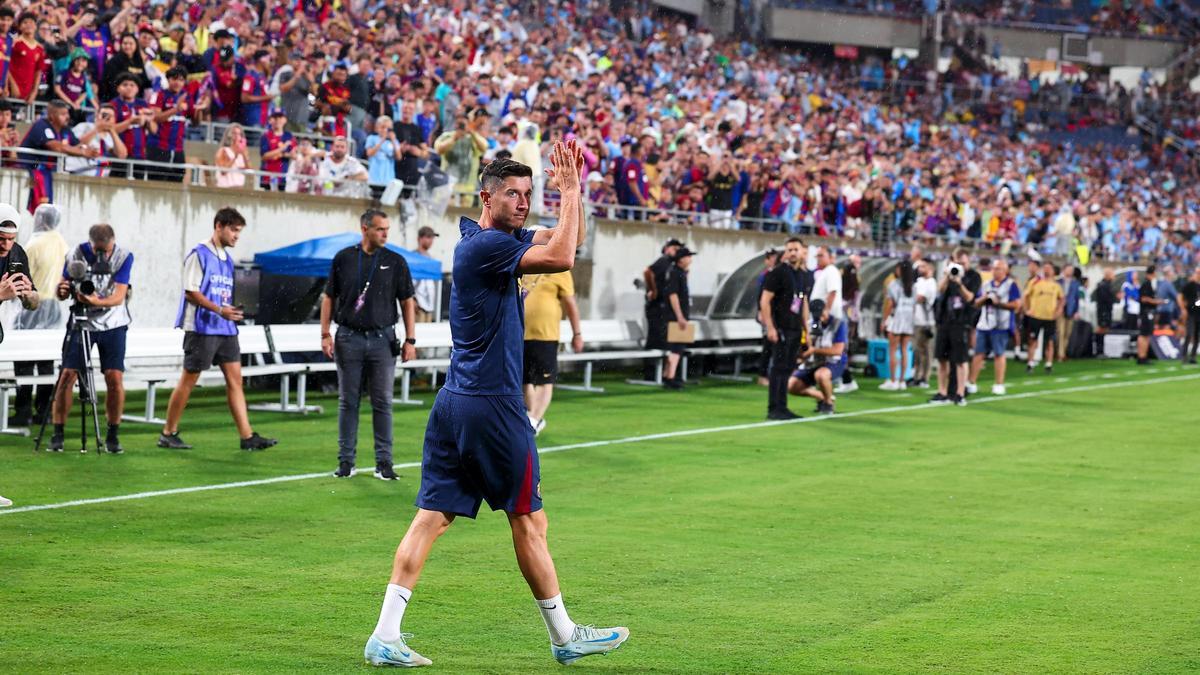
[1050,370]
[959,401]
[172,442]
[673,384]
[113,446]
[824,408]
[783,415]
[345,470]
[939,399]
[56,443]
[1028,368]
[256,442]
[20,420]
[383,471]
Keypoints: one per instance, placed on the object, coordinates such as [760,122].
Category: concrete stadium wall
[693,7]
[1114,51]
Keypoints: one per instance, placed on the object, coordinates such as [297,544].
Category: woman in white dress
[899,310]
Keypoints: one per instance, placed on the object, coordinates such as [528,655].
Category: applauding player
[478,443]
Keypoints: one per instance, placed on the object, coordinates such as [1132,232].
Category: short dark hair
[369,217]
[228,217]
[7,11]
[497,170]
[26,16]
[177,71]
[56,104]
[798,240]
[127,77]
[1152,269]
[101,233]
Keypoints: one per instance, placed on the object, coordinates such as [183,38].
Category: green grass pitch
[1049,532]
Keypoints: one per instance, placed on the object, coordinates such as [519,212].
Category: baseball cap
[9,219]
[595,176]
[673,242]
[683,252]
[277,112]
[427,231]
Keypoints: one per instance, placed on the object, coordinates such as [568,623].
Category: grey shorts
[202,351]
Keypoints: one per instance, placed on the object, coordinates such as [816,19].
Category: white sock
[560,626]
[395,601]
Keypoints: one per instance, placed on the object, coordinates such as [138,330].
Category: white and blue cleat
[588,640]
[398,653]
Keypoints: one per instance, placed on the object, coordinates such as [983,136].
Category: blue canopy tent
[312,258]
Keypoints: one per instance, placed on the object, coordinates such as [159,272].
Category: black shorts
[202,351]
[953,344]
[541,362]
[1146,325]
[656,327]
[1048,327]
[1104,319]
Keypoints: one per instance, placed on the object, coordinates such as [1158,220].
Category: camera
[79,277]
[954,269]
[990,299]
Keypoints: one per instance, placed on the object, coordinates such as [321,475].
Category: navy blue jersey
[487,317]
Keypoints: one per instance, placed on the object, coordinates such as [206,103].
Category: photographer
[997,300]
[955,315]
[96,277]
[782,304]
[366,282]
[826,358]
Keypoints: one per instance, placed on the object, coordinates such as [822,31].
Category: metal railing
[189,174]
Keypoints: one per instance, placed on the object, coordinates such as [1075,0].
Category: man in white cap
[14,263]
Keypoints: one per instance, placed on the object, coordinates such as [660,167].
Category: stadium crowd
[677,126]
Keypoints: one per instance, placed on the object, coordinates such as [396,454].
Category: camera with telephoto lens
[80,279]
[955,270]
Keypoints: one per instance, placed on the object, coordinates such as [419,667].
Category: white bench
[747,333]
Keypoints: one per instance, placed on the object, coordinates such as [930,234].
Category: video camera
[80,277]
[954,270]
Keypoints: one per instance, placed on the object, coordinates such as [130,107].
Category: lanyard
[362,296]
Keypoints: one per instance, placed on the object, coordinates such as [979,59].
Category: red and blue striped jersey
[255,114]
[173,130]
[272,141]
[134,137]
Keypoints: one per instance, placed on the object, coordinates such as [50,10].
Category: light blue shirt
[381,167]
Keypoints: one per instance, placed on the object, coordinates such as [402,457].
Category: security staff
[783,307]
[658,315]
[365,283]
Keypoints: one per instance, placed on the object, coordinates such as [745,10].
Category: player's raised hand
[564,175]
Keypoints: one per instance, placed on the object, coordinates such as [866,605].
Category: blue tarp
[312,258]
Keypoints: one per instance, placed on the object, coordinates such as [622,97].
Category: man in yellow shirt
[1044,301]
[547,297]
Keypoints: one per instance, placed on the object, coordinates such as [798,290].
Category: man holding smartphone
[209,320]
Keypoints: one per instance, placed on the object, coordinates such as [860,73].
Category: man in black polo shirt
[1149,309]
[657,314]
[365,283]
[1189,300]
[783,306]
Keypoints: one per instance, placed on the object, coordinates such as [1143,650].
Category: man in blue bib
[209,320]
[478,443]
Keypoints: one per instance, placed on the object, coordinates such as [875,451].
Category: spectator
[173,107]
[361,91]
[678,307]
[231,158]
[631,185]
[101,138]
[1044,302]
[75,88]
[1130,301]
[27,60]
[297,80]
[275,150]
[134,118]
[304,169]
[50,133]
[1072,299]
[824,357]
[7,16]
[1166,292]
[426,290]
[899,316]
[412,149]
[925,290]
[382,148]
[998,298]
[127,61]
[461,150]
[226,78]
[721,180]
[255,100]
[340,174]
[46,252]
[333,100]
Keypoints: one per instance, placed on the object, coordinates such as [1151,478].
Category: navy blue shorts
[991,342]
[479,448]
[809,377]
[111,344]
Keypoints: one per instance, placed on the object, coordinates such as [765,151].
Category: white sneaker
[588,640]
[887,385]
[901,386]
[999,390]
[972,388]
[843,388]
[398,653]
[4,501]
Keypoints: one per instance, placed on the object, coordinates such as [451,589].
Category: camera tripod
[87,388]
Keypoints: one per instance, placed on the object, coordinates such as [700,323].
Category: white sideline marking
[615,441]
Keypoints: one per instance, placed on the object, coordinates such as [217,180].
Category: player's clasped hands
[567,160]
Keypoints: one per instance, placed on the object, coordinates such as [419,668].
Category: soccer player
[478,443]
